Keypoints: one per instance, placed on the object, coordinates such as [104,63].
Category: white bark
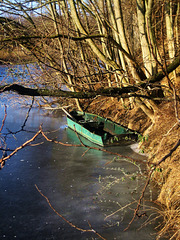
[117,38]
[150,36]
[93,46]
[169,30]
[122,36]
[53,15]
[176,23]
[143,37]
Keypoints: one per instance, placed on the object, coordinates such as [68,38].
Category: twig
[6,149]
[174,235]
[5,115]
[148,180]
[85,152]
[67,221]
[176,105]
[57,108]
[79,137]
[169,154]
[58,142]
[140,199]
[27,115]
[165,135]
[94,148]
[68,114]
[26,118]
[2,160]
[120,209]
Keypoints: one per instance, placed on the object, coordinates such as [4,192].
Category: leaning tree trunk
[143,37]
[93,46]
[122,37]
[54,15]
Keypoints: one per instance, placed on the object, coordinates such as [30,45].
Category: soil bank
[160,138]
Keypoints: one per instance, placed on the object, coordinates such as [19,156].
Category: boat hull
[99,130]
[85,132]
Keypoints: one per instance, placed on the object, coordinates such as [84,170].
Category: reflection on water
[13,73]
[80,185]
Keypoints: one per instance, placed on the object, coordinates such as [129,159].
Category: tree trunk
[93,46]
[169,30]
[143,37]
[176,24]
[54,15]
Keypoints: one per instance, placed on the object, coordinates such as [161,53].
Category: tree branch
[74,38]
[148,180]
[67,221]
[3,159]
[108,92]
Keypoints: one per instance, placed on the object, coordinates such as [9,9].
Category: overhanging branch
[128,91]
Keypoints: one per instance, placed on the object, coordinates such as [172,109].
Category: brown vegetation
[97,47]
[162,136]
[15,55]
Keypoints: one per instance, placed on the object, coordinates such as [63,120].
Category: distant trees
[93,45]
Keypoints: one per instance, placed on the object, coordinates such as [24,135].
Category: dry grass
[163,136]
[14,56]
[171,212]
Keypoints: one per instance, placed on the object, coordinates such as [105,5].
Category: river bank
[16,56]
[86,187]
[159,139]
[163,137]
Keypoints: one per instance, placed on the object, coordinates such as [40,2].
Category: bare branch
[148,180]
[67,221]
[94,148]
[169,154]
[108,92]
[3,121]
[2,160]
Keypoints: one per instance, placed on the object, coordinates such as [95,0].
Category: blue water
[80,185]
[13,73]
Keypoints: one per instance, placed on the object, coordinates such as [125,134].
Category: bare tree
[87,45]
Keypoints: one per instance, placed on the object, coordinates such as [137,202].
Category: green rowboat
[99,130]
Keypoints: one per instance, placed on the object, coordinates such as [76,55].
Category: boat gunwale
[103,142]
